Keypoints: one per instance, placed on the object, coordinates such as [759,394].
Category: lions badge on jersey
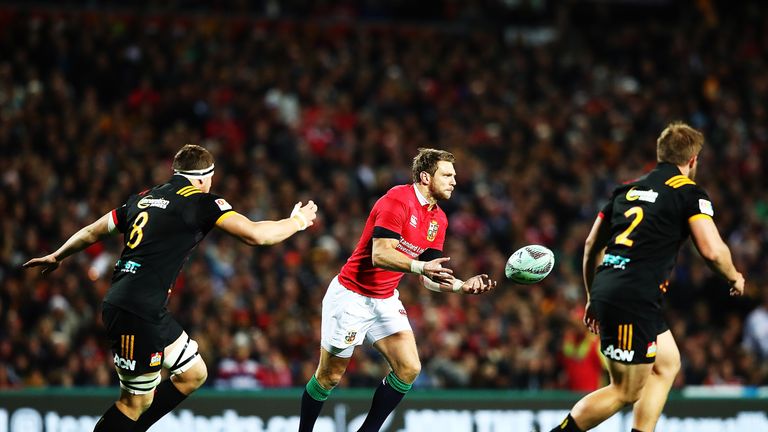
[432,231]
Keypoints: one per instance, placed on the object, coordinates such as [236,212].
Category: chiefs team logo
[350,337]
[651,350]
[432,231]
[155,359]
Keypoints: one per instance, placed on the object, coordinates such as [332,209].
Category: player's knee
[409,372]
[667,372]
[194,377]
[145,403]
[673,364]
[676,365]
[199,374]
[135,405]
[141,404]
[670,368]
[329,378]
[668,365]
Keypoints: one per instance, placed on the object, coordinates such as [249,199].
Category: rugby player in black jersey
[628,257]
[161,226]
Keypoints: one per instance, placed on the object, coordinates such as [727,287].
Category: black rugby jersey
[648,220]
[161,226]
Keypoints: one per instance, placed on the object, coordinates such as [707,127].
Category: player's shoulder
[137,199]
[684,187]
[441,215]
[679,182]
[179,188]
[209,199]
[401,194]
[221,203]
[665,178]
[189,191]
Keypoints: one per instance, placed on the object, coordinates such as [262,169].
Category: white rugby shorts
[350,318]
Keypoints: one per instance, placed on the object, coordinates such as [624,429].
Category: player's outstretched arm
[80,240]
[477,284]
[715,252]
[269,232]
[384,255]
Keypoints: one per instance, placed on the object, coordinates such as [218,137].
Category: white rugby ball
[529,264]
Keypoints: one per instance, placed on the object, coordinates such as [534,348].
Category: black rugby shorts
[138,344]
[628,334]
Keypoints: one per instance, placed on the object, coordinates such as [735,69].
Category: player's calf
[122,415]
[568,425]
[188,374]
[318,388]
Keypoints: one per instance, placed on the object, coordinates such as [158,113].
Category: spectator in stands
[756,329]
[239,371]
[580,357]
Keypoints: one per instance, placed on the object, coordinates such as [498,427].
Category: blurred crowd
[93,106]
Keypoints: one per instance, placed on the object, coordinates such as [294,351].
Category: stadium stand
[329,105]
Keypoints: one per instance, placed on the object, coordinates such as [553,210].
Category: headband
[196,174]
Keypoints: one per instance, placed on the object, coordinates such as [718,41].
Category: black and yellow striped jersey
[161,226]
[649,220]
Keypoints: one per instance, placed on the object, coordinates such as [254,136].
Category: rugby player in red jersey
[404,233]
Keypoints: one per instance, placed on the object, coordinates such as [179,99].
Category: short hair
[192,157]
[427,160]
[678,143]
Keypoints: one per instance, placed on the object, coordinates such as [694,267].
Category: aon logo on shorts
[124,364]
[619,354]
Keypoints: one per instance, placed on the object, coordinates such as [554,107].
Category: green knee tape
[316,391]
[396,384]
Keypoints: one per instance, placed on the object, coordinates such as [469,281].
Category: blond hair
[678,143]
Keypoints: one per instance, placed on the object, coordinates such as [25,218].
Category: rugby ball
[529,264]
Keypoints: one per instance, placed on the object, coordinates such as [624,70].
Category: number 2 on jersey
[137,231]
[623,238]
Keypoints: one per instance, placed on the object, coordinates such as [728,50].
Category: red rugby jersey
[402,210]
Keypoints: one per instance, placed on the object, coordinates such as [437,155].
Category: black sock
[310,410]
[636,430]
[384,402]
[167,397]
[114,420]
[568,425]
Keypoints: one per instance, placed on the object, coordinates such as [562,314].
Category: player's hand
[478,284]
[304,215]
[434,270]
[737,285]
[443,285]
[49,263]
[590,320]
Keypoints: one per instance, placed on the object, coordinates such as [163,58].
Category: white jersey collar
[422,200]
